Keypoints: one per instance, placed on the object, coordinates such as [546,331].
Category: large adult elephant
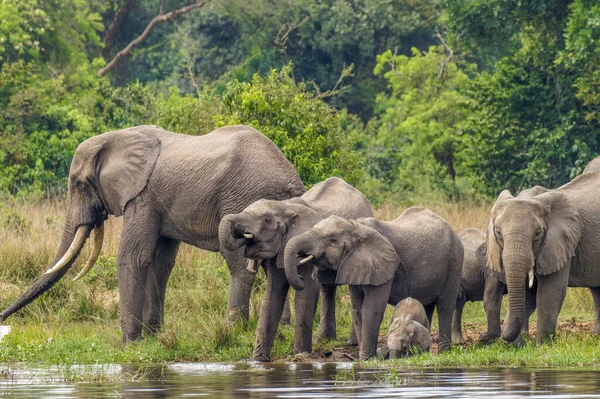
[264,228]
[169,188]
[552,238]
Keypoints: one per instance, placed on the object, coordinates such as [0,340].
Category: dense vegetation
[444,98]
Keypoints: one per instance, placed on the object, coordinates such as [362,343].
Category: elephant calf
[477,283]
[416,255]
[409,330]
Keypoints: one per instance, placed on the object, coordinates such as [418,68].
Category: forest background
[406,99]
[442,103]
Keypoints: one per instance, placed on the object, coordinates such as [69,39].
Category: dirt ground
[471,333]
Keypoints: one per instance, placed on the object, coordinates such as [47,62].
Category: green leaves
[306,129]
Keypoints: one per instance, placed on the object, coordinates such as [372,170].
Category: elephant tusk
[98,239]
[253,265]
[307,259]
[530,278]
[78,241]
[248,236]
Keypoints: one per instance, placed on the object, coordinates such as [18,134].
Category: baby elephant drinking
[409,329]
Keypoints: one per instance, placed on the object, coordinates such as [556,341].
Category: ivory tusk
[307,259]
[253,265]
[530,278]
[80,236]
[97,239]
[248,236]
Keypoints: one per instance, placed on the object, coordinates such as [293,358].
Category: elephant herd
[233,191]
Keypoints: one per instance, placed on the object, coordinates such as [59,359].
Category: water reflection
[279,380]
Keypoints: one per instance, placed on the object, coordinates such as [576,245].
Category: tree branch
[155,21]
[114,26]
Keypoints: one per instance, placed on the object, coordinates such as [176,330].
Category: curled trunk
[47,280]
[517,264]
[299,245]
[231,231]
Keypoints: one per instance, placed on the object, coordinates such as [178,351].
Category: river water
[295,380]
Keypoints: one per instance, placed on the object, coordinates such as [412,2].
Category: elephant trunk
[518,260]
[233,231]
[49,279]
[299,250]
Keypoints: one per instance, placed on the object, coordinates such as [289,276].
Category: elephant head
[527,236]
[406,337]
[107,171]
[358,254]
[264,228]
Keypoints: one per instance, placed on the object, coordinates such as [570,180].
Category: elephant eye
[268,220]
[538,234]
[498,233]
[334,241]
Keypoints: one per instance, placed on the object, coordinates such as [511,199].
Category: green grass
[78,322]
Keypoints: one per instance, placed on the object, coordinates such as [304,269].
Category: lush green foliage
[504,96]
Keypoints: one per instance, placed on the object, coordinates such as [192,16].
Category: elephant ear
[120,163]
[564,229]
[421,338]
[481,258]
[492,249]
[372,259]
[298,219]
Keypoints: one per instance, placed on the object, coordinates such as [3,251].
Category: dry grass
[196,296]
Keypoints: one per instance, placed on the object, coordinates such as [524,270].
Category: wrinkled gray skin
[409,329]
[554,233]
[272,224]
[169,188]
[479,283]
[416,255]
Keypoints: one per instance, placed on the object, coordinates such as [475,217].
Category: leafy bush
[306,129]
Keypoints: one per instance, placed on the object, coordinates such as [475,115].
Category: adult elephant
[552,238]
[169,188]
[263,229]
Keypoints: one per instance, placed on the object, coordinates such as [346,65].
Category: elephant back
[334,196]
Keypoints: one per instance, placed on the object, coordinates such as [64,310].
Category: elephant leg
[492,302]
[135,256]
[373,308]
[596,296]
[457,336]
[327,327]
[551,293]
[286,315]
[238,305]
[429,309]
[270,312]
[357,296]
[306,307]
[530,305]
[163,261]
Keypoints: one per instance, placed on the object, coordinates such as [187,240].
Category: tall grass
[78,322]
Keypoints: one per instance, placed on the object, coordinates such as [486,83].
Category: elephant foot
[519,342]
[261,358]
[444,346]
[151,328]
[324,334]
[487,337]
[353,340]
[596,330]
[129,338]
[457,338]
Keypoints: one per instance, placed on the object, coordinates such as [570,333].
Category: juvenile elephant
[551,238]
[409,329]
[417,255]
[169,188]
[263,229]
[477,283]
